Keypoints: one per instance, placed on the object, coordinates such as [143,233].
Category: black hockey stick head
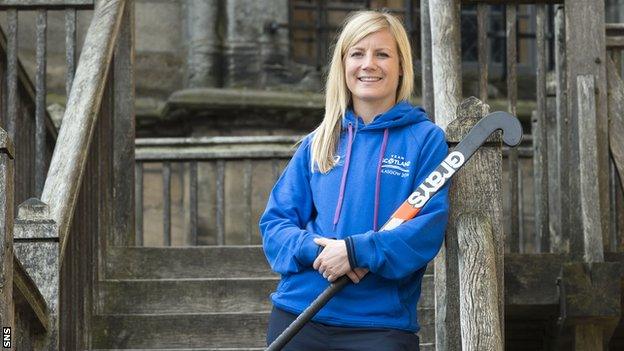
[508,124]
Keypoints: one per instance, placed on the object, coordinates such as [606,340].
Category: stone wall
[182,43]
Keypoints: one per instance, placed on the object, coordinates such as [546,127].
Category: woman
[370,152]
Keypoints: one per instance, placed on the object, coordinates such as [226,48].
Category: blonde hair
[338,96]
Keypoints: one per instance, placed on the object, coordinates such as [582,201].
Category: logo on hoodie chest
[396,165]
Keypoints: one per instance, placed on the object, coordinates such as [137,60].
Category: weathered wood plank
[540,140]
[193,189]
[12,73]
[554,179]
[616,118]
[37,245]
[24,285]
[446,53]
[483,49]
[588,337]
[166,174]
[615,35]
[229,140]
[592,300]
[70,48]
[615,42]
[531,282]
[69,158]
[534,239]
[614,188]
[158,154]
[6,231]
[124,133]
[561,242]
[515,235]
[588,170]
[614,28]
[469,191]
[425,60]
[25,4]
[220,187]
[480,324]
[585,54]
[138,181]
[619,218]
[40,100]
[247,185]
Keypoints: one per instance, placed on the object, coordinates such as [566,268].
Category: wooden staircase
[196,298]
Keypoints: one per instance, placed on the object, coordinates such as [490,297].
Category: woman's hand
[333,261]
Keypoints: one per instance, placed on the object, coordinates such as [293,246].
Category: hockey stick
[512,135]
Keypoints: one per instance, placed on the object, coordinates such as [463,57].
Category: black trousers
[322,337]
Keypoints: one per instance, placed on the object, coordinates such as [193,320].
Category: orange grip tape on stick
[405,212]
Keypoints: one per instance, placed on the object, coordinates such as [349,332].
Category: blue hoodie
[379,166]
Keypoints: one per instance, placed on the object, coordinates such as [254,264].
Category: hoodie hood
[401,114]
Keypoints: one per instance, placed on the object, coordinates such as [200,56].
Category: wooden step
[427,292]
[187,262]
[187,295]
[426,319]
[190,331]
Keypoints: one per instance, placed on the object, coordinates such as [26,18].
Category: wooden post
[37,248]
[477,188]
[591,291]
[483,49]
[6,231]
[540,152]
[515,235]
[588,171]
[425,59]
[124,133]
[533,238]
[616,118]
[478,284]
[562,241]
[446,53]
[586,54]
[616,145]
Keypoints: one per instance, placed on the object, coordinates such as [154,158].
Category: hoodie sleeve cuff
[350,252]
[361,250]
[308,250]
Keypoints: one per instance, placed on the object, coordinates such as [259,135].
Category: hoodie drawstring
[345,170]
[382,151]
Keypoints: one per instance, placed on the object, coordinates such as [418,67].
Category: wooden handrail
[68,163]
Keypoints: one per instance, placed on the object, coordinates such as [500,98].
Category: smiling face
[372,69]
